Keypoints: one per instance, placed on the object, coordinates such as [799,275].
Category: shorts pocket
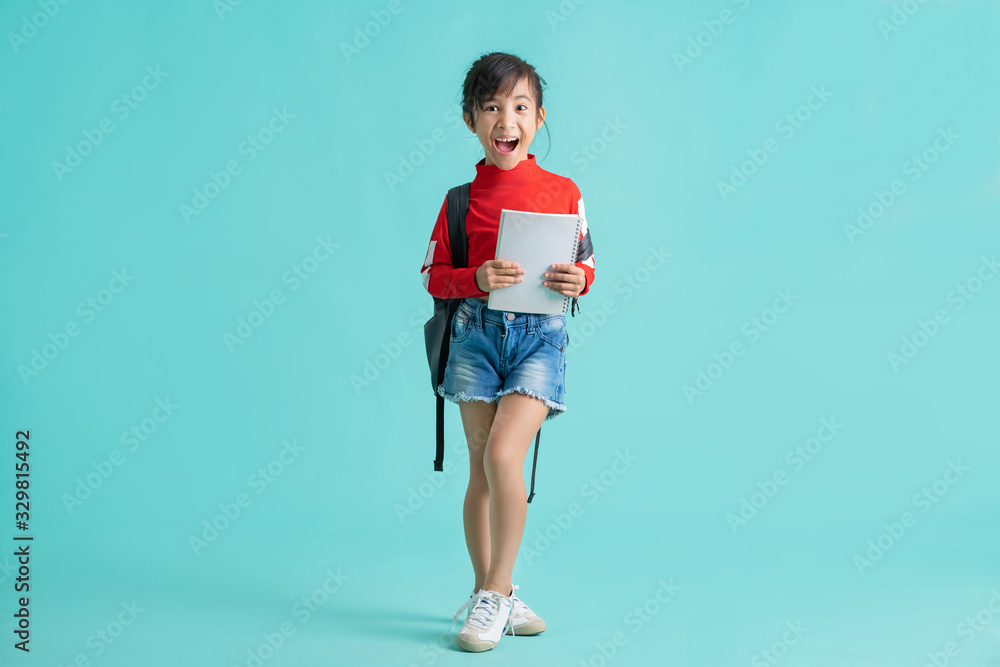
[552,330]
[461,325]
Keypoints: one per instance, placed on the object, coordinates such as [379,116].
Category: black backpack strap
[439,451]
[458,241]
[534,461]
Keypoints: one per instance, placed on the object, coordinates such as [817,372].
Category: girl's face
[512,117]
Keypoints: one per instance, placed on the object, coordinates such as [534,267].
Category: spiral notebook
[535,241]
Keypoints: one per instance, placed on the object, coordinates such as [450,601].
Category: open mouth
[505,147]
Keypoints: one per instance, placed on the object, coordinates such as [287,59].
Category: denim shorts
[497,352]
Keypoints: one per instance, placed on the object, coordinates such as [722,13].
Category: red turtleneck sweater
[525,187]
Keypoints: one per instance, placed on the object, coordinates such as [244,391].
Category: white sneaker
[489,616]
[524,621]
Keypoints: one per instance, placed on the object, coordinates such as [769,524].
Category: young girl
[505,369]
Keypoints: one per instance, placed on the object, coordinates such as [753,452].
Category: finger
[568,269]
[509,271]
[508,276]
[559,279]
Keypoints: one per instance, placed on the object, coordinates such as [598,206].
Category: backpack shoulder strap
[458,208]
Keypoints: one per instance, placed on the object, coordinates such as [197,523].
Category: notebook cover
[535,241]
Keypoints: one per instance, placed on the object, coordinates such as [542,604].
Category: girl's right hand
[496,274]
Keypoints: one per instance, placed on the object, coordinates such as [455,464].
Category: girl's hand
[497,273]
[567,279]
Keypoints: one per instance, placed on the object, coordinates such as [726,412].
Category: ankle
[505,591]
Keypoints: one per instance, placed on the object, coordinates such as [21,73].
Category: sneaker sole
[533,627]
[473,646]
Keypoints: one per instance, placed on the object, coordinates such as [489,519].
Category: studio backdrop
[780,443]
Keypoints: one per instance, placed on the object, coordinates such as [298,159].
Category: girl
[505,369]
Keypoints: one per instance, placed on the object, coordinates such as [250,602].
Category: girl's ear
[541,118]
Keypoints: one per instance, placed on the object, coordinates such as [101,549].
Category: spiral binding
[576,248]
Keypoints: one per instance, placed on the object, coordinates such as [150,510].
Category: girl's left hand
[567,279]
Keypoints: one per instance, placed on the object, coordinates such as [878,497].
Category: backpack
[437,330]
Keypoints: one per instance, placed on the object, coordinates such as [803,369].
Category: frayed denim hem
[555,409]
[462,396]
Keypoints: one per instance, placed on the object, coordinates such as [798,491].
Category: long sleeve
[441,279]
[585,250]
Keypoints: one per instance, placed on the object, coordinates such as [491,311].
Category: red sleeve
[441,279]
[585,250]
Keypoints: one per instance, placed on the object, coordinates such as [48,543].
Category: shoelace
[485,606]
[519,608]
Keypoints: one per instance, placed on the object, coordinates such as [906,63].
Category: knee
[499,458]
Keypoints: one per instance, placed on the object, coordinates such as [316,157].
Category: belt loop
[480,306]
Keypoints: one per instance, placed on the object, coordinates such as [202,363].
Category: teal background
[366,448]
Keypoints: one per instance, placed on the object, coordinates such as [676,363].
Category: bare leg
[477,419]
[517,420]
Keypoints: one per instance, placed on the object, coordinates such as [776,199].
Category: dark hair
[498,73]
